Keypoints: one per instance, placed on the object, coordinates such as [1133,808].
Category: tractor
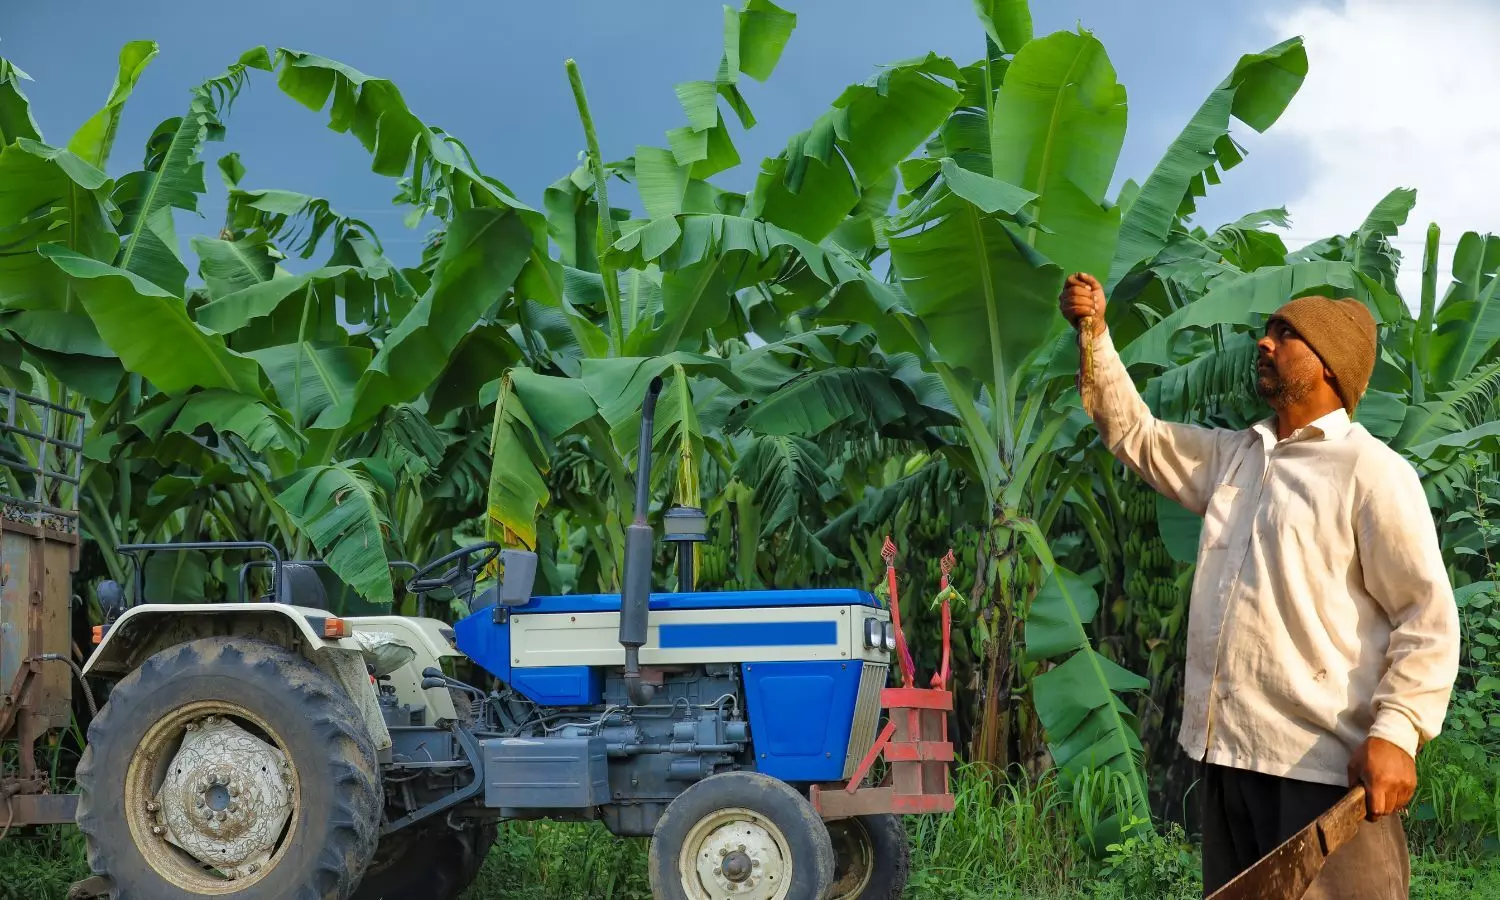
[270,748]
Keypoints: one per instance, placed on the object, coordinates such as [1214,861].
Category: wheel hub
[741,858]
[738,866]
[226,797]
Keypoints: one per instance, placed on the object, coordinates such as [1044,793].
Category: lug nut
[152,806]
[158,830]
[234,790]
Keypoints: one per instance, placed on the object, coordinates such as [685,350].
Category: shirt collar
[1330,426]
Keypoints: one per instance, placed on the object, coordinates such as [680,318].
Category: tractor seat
[301,586]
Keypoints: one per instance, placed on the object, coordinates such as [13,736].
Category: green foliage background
[865,344]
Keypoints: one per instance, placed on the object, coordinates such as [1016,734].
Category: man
[1323,636]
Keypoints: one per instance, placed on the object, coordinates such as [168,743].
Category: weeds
[40,863]
[565,861]
[1456,812]
[1007,840]
[959,852]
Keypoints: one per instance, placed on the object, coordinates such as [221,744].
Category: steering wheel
[424,581]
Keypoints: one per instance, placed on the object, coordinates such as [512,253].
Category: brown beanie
[1342,333]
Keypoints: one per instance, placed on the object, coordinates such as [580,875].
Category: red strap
[940,678]
[908,671]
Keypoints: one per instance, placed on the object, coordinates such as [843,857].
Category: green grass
[1006,841]
[42,864]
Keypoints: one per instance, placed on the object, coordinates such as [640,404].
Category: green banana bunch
[713,564]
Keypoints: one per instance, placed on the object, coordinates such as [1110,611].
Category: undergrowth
[1007,840]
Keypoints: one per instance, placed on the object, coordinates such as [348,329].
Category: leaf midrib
[1462,363]
[1448,402]
[675,330]
[1114,712]
[245,260]
[150,199]
[1044,169]
[991,314]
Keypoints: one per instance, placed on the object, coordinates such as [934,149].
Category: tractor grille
[866,715]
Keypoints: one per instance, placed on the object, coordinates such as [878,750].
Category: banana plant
[274,396]
[1008,199]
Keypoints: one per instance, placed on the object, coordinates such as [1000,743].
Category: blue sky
[492,74]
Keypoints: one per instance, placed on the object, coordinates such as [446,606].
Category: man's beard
[1278,391]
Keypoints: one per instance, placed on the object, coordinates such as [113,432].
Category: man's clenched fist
[1388,774]
[1083,296]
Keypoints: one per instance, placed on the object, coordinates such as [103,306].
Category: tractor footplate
[914,744]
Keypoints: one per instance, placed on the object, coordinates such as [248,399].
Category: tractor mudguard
[148,628]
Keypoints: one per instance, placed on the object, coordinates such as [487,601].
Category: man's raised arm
[1180,461]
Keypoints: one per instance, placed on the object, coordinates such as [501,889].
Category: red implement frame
[914,741]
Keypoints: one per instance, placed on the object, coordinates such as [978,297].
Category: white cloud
[1398,94]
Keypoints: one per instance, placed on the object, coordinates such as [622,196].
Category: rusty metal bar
[44,438]
[41,507]
[23,466]
[43,809]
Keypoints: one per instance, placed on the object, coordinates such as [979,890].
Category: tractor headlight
[873,633]
[890,635]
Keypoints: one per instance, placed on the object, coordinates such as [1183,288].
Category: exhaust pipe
[635,596]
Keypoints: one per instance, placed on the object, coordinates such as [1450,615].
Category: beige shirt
[1321,612]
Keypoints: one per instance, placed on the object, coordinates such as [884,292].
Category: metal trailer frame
[39,552]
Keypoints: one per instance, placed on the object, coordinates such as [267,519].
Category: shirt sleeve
[1180,461]
[1404,572]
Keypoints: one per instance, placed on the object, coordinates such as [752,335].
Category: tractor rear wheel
[427,863]
[229,767]
[740,835]
[872,858]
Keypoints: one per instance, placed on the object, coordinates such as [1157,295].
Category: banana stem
[1086,366]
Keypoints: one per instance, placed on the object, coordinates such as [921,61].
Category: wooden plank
[920,751]
[840,804]
[916,698]
[50,534]
[921,804]
[15,634]
[53,695]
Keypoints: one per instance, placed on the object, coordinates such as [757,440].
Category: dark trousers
[1247,815]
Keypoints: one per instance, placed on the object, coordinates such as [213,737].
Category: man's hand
[1083,296]
[1388,774]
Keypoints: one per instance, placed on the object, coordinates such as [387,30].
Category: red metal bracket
[916,748]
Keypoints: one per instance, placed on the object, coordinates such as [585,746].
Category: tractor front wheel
[872,858]
[229,767]
[740,835]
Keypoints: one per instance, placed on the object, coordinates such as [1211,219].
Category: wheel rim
[735,853]
[853,858]
[210,797]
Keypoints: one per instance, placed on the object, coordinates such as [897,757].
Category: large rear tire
[872,858]
[229,767]
[740,835]
[427,863]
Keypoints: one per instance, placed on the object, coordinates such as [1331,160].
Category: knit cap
[1342,333]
